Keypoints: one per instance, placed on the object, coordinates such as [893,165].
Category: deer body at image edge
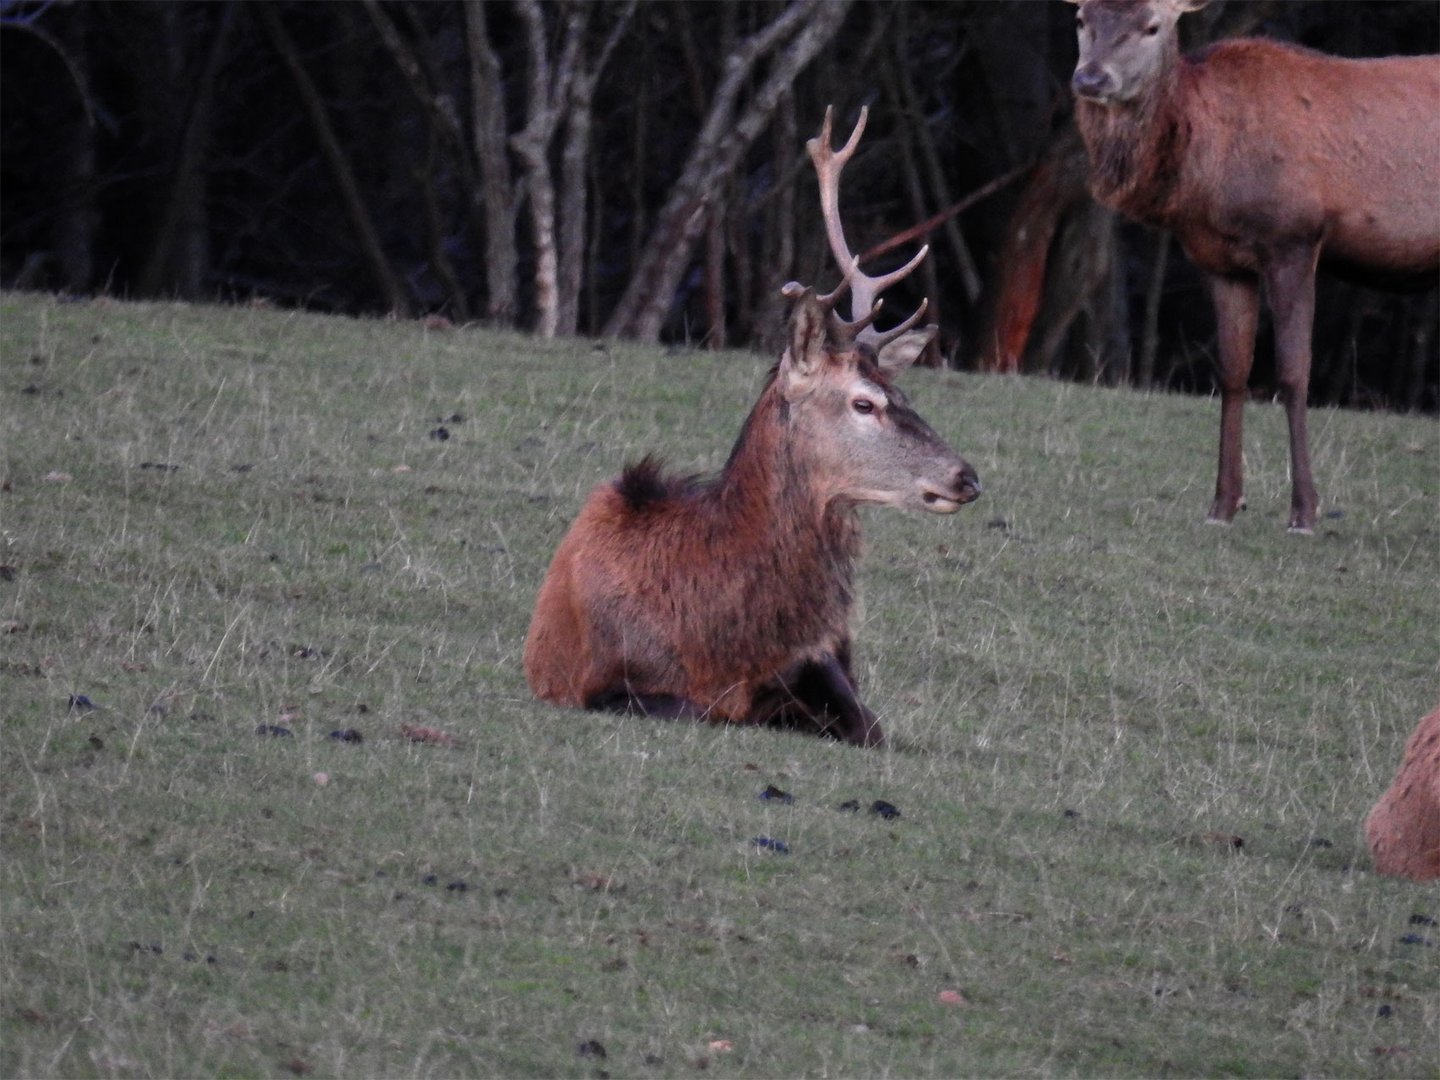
[1264,160]
[729,599]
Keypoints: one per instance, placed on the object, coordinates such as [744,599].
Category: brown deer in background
[1263,159]
[729,599]
[1403,828]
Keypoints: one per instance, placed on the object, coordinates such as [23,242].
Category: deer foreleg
[822,693]
[1290,282]
[1237,310]
[854,722]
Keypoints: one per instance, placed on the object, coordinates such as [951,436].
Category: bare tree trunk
[386,281]
[1332,372]
[1410,378]
[594,244]
[742,262]
[1154,292]
[75,229]
[930,157]
[496,187]
[440,263]
[808,25]
[916,192]
[532,144]
[574,153]
[564,90]
[712,278]
[179,256]
[1056,184]
[1078,287]
[443,126]
[776,262]
[574,158]
[1107,315]
[715,278]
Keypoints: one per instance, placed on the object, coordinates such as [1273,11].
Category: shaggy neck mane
[1137,147]
[765,492]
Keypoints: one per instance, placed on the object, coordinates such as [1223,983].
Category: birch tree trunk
[496,187]
[574,174]
[549,86]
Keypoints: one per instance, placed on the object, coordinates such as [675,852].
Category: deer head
[863,440]
[1124,46]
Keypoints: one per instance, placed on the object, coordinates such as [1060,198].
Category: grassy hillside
[1132,753]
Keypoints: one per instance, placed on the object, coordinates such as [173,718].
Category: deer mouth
[937,503]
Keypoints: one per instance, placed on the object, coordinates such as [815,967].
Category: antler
[865,290]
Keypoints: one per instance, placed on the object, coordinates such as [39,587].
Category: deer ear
[899,354]
[807,336]
[1182,6]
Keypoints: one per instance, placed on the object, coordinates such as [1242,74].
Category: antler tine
[833,297]
[846,152]
[847,331]
[880,340]
[883,283]
[821,146]
[793,290]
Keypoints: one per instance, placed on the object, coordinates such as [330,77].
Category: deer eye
[1152,29]
[864,406]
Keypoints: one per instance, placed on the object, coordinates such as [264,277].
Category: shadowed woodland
[636,170]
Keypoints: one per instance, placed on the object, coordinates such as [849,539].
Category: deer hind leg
[625,659]
[1237,310]
[625,700]
[1290,282]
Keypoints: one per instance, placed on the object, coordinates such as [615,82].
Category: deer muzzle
[963,487]
[1094,82]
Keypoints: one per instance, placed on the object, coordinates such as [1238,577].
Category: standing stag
[729,599]
[1263,159]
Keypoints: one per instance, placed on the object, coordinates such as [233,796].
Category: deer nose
[967,483]
[1091,81]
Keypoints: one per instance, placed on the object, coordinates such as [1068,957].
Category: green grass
[1080,681]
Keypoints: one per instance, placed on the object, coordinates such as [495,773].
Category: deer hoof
[870,736]
[1224,509]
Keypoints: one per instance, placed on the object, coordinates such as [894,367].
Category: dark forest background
[634,169]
